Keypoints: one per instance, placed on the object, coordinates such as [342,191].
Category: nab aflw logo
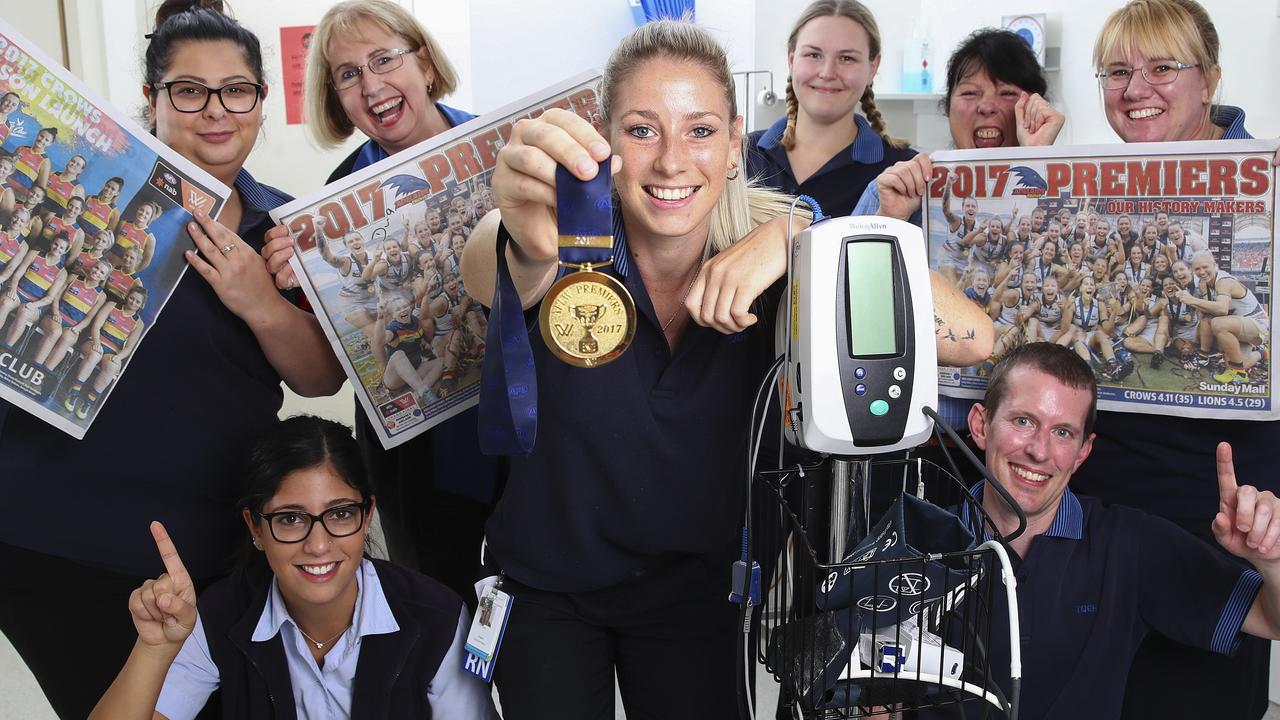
[196,200]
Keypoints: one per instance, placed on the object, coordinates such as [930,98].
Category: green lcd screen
[872,320]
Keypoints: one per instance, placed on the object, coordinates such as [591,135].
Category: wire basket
[920,644]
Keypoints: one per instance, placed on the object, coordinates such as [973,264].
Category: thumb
[1227,485]
[177,611]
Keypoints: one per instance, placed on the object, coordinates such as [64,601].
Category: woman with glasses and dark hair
[206,379]
[1157,63]
[309,625]
[374,68]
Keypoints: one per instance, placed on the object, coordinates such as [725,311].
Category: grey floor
[20,697]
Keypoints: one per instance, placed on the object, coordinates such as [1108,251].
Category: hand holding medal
[588,318]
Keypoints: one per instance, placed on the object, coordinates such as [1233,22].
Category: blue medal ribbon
[509,379]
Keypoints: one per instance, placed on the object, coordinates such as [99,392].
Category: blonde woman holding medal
[617,531]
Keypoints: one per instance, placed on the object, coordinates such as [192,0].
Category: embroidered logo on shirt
[1087,609]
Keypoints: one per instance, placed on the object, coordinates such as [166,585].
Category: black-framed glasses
[1156,72]
[383,62]
[294,526]
[189,96]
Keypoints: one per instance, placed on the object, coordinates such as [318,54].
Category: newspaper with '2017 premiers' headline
[378,256]
[1154,262]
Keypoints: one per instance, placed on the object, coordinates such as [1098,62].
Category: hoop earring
[734,176]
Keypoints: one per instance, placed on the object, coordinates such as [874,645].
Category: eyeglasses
[1156,72]
[294,526]
[380,64]
[189,96]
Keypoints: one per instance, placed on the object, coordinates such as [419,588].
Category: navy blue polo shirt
[1090,589]
[638,461]
[838,184]
[165,446]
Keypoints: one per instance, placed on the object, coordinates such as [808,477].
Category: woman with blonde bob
[1157,63]
[374,68]
[616,533]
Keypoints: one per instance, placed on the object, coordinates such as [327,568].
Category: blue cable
[814,206]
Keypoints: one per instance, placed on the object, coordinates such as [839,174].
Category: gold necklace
[684,297]
[320,645]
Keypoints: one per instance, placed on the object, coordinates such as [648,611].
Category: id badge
[487,628]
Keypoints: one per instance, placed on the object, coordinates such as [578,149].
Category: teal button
[879,407]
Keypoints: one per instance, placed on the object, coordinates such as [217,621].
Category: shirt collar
[257,195]
[1068,521]
[372,615]
[621,251]
[1231,119]
[867,147]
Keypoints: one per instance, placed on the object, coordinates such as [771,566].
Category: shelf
[909,97]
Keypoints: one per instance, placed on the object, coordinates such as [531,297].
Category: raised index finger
[169,554]
[1227,485]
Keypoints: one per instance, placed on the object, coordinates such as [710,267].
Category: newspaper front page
[1154,262]
[378,256]
[93,214]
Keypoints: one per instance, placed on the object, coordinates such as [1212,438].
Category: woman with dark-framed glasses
[308,626]
[207,379]
[375,69]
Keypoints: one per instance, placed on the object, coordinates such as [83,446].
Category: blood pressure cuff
[811,654]
[885,593]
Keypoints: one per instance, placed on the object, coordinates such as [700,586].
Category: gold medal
[587,319]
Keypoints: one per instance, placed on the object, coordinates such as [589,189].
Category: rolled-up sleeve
[454,692]
[192,678]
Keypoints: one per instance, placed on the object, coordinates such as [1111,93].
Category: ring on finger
[226,249]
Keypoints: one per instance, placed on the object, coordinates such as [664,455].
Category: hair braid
[793,109]
[877,120]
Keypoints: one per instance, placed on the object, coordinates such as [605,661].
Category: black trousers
[69,622]
[670,635]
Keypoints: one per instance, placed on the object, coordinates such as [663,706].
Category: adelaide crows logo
[1029,182]
[407,188]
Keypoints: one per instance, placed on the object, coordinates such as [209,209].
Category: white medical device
[858,331]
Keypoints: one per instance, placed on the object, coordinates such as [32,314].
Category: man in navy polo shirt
[1093,580]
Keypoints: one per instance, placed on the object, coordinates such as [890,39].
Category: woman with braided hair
[823,148]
